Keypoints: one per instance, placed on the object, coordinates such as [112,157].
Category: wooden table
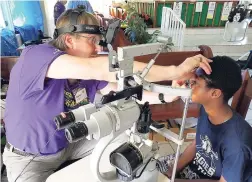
[173,110]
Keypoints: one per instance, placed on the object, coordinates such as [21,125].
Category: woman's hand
[190,64]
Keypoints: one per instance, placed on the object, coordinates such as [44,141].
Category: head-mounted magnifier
[108,35]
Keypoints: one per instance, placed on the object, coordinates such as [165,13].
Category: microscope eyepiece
[62,122]
[76,132]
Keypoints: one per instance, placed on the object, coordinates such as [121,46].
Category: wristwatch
[161,98]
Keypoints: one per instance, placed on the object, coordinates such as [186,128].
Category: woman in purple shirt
[52,78]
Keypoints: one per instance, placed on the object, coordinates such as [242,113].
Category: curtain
[27,13]
[27,19]
[9,43]
[27,32]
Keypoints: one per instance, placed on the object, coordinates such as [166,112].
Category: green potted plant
[136,28]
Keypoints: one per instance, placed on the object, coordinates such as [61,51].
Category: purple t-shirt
[34,100]
[59,8]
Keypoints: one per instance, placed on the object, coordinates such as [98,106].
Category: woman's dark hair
[226,76]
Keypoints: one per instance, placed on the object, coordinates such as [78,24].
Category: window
[2,22]
[102,7]
[5,15]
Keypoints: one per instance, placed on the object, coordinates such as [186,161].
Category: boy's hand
[169,172]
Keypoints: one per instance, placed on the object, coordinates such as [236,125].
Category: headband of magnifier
[73,27]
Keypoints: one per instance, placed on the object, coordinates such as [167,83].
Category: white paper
[226,10]
[190,136]
[199,6]
[211,9]
[177,8]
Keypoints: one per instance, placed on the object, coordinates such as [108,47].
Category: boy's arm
[186,157]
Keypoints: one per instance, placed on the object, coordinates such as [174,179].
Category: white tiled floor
[213,37]
[216,38]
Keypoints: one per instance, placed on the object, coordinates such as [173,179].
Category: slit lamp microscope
[120,112]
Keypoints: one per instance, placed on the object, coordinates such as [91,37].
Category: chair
[247,97]
[243,96]
[246,64]
[7,63]
[235,31]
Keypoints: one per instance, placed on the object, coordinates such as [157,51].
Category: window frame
[6,15]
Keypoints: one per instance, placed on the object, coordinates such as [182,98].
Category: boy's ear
[216,93]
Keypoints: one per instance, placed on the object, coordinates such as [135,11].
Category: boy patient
[222,149]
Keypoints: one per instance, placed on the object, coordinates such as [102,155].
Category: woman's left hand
[189,66]
[198,61]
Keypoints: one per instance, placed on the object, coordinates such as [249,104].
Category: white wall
[102,6]
[43,12]
[47,9]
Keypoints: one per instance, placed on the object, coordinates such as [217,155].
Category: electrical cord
[144,168]
[35,156]
[171,147]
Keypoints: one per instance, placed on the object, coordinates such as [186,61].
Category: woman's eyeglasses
[93,39]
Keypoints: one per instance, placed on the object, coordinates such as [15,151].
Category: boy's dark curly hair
[226,76]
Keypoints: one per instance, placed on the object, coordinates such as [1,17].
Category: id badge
[80,95]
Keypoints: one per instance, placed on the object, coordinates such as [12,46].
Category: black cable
[143,168]
[171,147]
[35,156]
